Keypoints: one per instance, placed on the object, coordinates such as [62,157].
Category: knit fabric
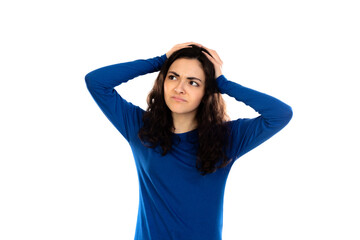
[175,201]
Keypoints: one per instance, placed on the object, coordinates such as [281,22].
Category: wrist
[218,75]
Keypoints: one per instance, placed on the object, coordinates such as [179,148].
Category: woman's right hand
[180,46]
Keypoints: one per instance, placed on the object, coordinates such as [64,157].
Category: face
[184,86]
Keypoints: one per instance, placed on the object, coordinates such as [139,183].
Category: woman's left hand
[215,59]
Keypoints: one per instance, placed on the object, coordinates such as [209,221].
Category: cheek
[167,87]
[166,92]
[201,93]
[198,96]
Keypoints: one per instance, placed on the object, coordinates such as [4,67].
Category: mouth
[178,99]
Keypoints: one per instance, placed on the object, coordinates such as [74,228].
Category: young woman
[184,144]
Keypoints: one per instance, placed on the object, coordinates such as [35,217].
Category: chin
[182,110]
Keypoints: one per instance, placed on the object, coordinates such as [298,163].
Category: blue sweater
[175,201]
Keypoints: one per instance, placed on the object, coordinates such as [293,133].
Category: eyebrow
[191,78]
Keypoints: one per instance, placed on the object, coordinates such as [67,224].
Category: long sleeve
[101,84]
[246,134]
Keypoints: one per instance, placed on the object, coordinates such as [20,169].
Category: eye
[171,77]
[196,84]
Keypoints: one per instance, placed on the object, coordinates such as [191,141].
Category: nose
[180,88]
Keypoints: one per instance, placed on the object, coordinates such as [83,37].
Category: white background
[67,173]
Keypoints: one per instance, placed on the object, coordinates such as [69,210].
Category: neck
[184,123]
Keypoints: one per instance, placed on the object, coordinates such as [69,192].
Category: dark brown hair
[211,116]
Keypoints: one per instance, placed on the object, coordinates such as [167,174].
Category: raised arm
[101,84]
[246,134]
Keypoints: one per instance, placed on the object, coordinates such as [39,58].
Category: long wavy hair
[211,116]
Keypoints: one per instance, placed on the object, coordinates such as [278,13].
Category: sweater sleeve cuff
[221,81]
[163,57]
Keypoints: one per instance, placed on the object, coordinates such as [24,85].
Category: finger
[214,54]
[192,43]
[189,43]
[210,57]
[180,46]
[212,51]
[197,44]
[185,45]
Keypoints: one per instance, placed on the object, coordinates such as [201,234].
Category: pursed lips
[178,99]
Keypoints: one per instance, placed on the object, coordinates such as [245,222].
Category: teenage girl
[184,144]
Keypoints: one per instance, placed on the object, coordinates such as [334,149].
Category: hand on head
[214,58]
[179,46]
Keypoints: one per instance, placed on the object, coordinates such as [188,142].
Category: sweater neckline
[184,135]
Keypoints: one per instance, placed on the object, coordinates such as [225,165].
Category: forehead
[188,67]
